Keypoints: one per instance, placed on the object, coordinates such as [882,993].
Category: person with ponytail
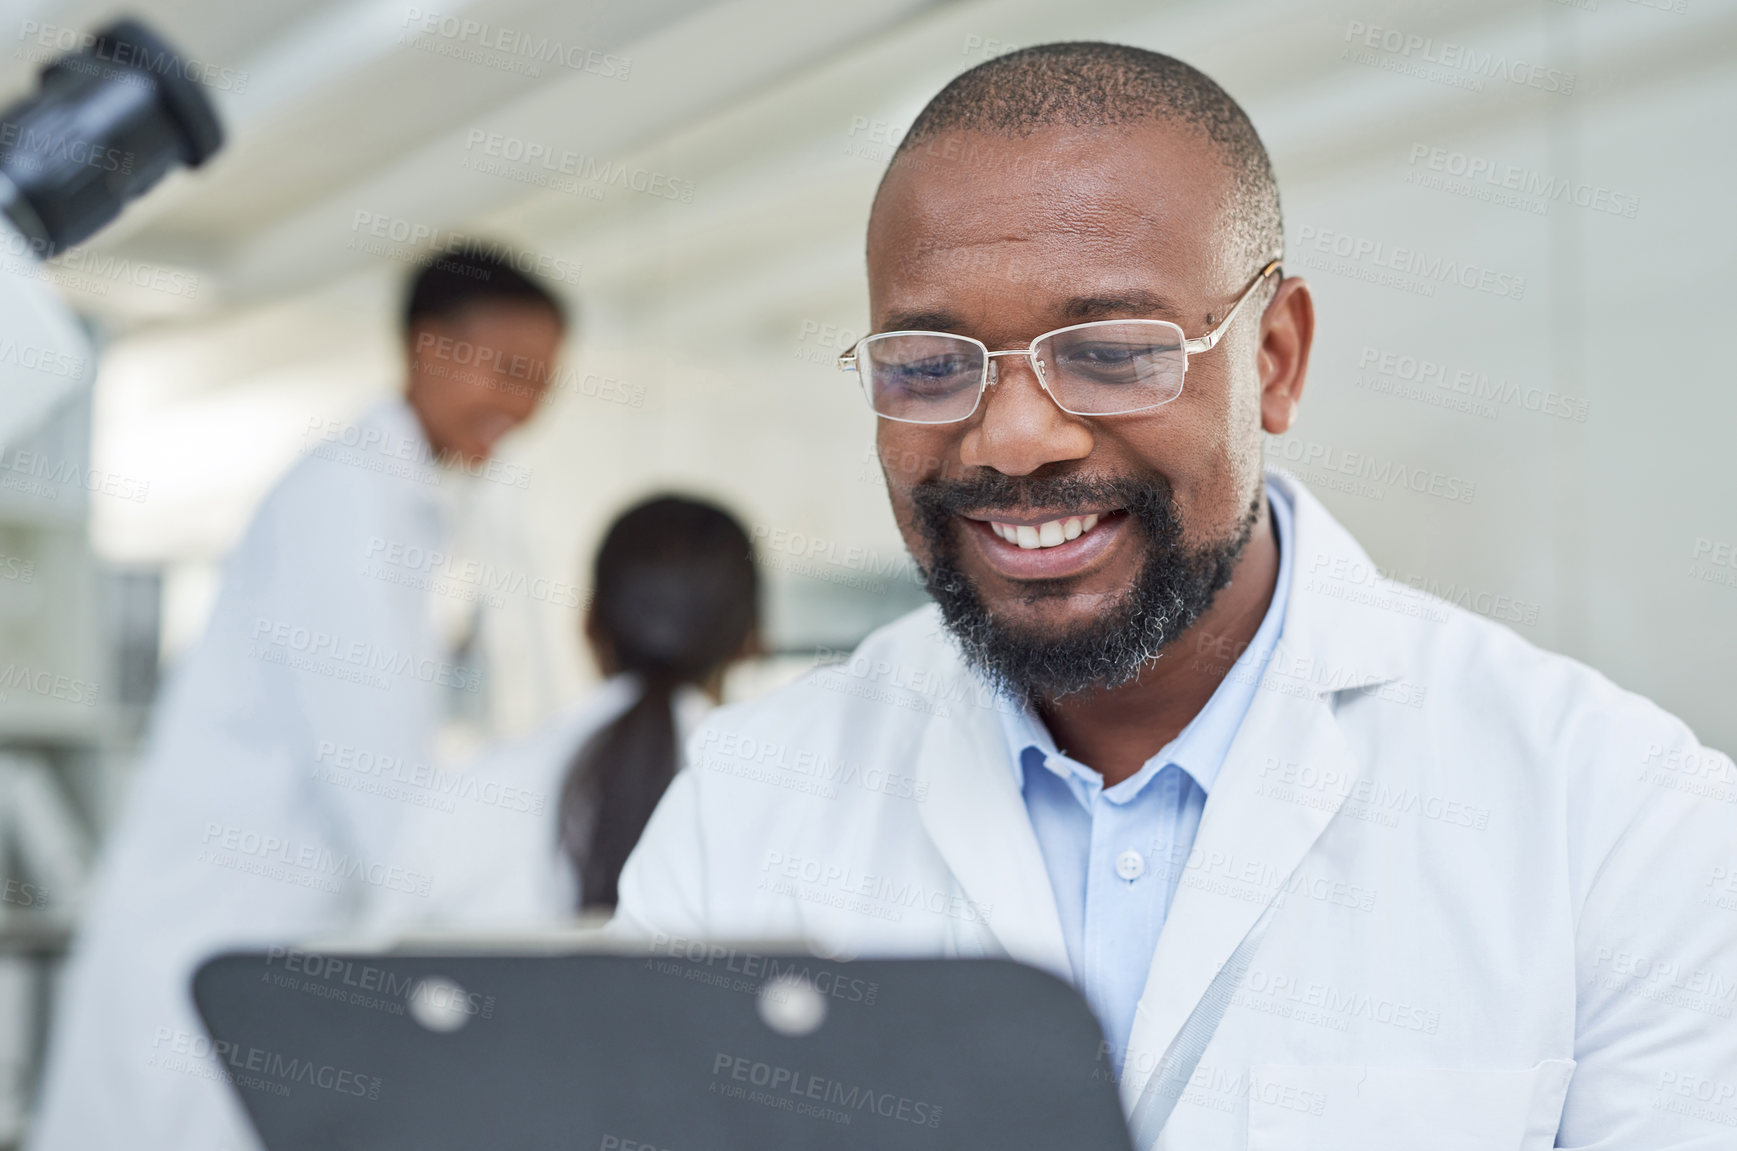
[674,602]
[537,831]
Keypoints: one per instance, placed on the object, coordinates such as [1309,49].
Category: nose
[1019,428]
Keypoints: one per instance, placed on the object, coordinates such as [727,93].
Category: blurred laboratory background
[1515,215]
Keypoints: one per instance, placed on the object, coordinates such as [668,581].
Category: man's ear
[420,341]
[1287,333]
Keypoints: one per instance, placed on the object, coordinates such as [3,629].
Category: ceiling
[380,111]
[344,106]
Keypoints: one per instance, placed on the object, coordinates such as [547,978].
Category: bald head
[1087,85]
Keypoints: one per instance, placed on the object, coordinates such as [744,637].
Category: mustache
[1143,497]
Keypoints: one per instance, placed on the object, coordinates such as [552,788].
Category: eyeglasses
[1104,368]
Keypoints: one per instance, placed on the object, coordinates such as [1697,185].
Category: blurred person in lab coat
[344,648]
[1338,865]
[543,825]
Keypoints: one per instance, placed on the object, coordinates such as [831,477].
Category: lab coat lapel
[1285,777]
[976,817]
[1253,835]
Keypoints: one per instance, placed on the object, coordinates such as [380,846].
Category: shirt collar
[1199,749]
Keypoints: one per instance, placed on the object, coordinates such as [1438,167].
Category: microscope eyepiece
[109,121]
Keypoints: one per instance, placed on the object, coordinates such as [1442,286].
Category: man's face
[479,374]
[1020,237]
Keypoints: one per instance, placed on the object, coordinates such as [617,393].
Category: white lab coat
[244,827]
[491,844]
[1499,918]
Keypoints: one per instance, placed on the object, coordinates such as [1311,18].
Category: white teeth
[1045,535]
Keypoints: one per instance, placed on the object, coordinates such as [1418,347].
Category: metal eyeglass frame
[847,360]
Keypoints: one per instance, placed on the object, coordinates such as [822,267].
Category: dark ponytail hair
[674,598]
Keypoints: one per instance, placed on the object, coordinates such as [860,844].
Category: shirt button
[1130,865]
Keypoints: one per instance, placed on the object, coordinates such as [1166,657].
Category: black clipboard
[697,1049]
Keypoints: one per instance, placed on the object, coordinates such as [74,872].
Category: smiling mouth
[1033,534]
[1048,534]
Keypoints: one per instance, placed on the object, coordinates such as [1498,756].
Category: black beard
[1175,585]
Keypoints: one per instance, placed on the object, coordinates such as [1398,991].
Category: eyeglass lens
[1096,369]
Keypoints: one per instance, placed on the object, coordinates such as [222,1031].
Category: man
[1407,881]
[299,729]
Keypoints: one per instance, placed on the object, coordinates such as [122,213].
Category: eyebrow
[921,322]
[1132,303]
[1078,310]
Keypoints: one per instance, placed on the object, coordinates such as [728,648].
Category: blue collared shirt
[1115,855]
